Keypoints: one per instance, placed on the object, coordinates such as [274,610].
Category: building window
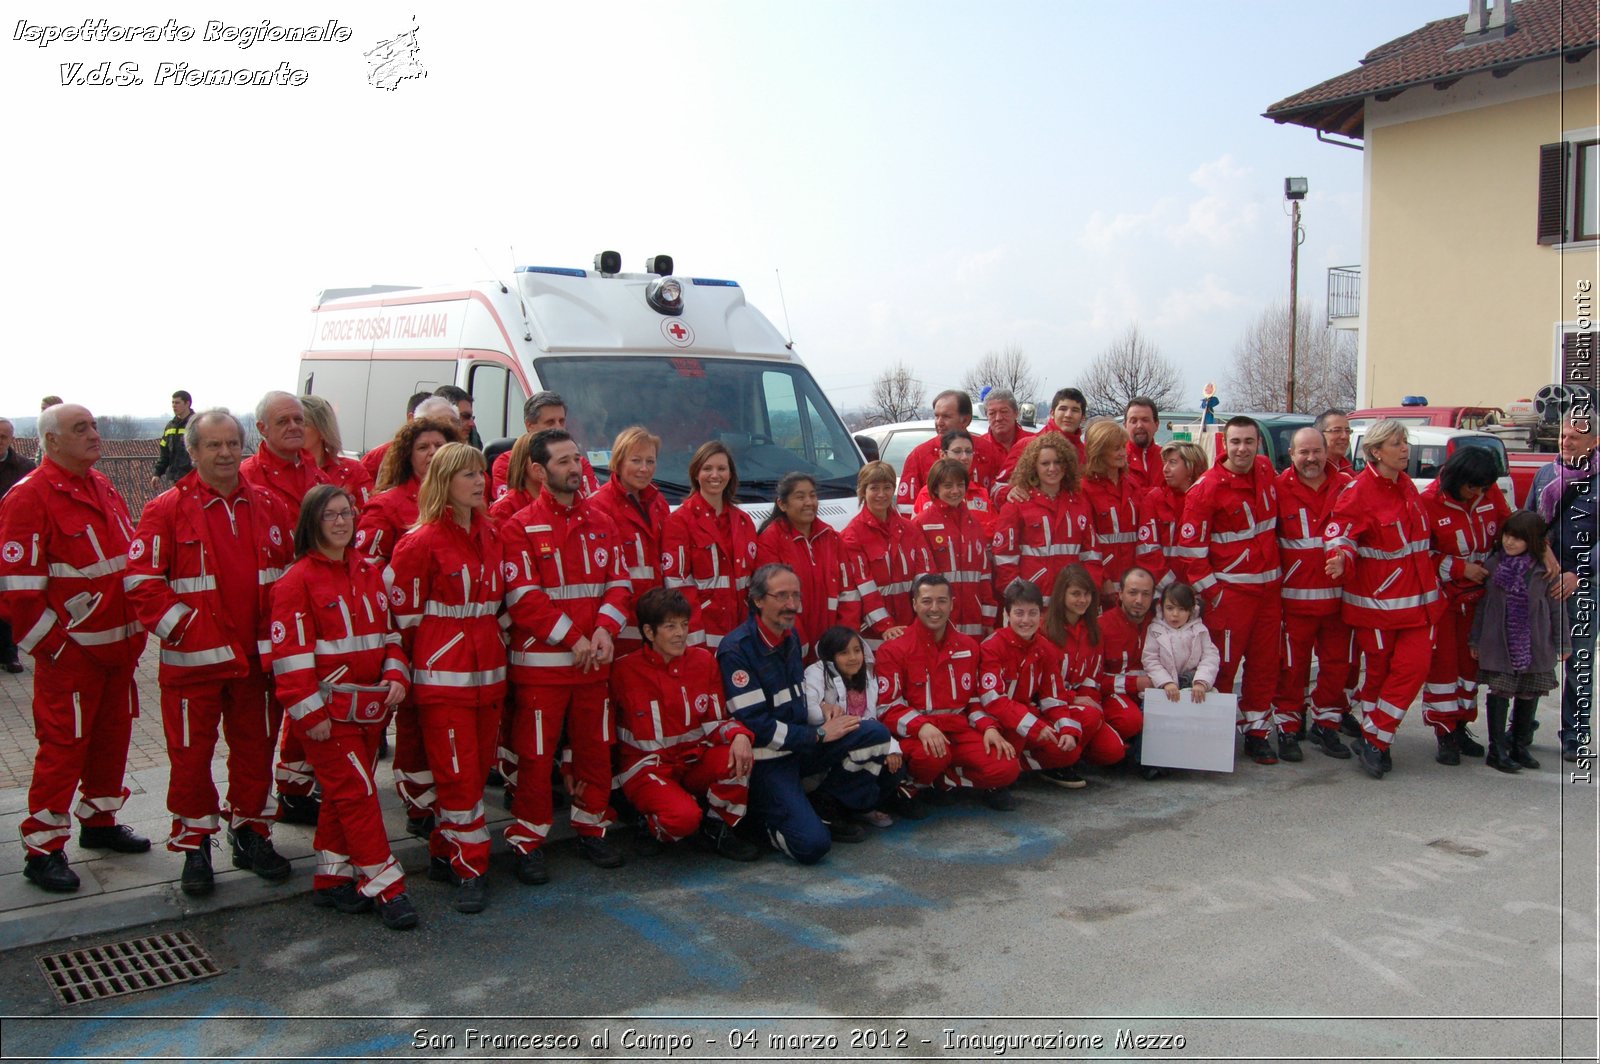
[1569,192]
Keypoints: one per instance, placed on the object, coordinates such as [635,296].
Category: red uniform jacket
[1144,466]
[960,549]
[289,481]
[63,548]
[500,474]
[1076,439]
[388,516]
[172,578]
[1463,533]
[668,711]
[1163,510]
[1308,590]
[448,586]
[829,586]
[1083,664]
[710,558]
[1117,522]
[507,505]
[979,503]
[331,625]
[567,580]
[1381,528]
[1038,537]
[921,681]
[1122,652]
[1229,533]
[639,526]
[352,476]
[1020,682]
[987,461]
[1010,453]
[372,461]
[893,553]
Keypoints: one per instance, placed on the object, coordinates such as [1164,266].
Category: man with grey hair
[200,573]
[373,459]
[283,467]
[13,467]
[64,536]
[543,410]
[1001,408]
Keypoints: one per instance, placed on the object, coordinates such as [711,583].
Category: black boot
[1499,755]
[1449,751]
[1466,742]
[198,880]
[1522,726]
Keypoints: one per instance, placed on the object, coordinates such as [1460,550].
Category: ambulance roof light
[665,296]
[660,264]
[608,263]
[560,271]
[1414,400]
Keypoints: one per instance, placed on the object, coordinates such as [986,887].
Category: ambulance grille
[119,968]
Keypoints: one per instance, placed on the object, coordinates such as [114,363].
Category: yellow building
[1481,238]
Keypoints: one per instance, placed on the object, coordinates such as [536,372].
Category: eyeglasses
[330,517]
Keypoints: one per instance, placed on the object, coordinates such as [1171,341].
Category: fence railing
[1344,292]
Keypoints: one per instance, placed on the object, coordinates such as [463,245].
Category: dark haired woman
[708,547]
[794,536]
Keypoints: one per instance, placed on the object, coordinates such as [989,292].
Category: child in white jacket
[1179,652]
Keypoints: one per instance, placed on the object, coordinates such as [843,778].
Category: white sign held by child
[1189,734]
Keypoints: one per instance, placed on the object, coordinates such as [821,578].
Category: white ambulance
[684,356]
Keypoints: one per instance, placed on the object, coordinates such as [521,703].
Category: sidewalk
[127,890]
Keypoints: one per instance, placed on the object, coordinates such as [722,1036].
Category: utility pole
[1294,190]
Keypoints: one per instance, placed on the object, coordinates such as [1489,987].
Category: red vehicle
[1524,465]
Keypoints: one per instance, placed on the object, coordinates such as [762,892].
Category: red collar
[768,636]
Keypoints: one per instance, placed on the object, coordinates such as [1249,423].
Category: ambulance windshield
[770,415]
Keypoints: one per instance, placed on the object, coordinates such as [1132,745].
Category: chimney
[1477,17]
[1500,16]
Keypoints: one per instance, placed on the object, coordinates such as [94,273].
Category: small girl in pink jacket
[1179,652]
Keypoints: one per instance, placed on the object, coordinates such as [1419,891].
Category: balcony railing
[1344,293]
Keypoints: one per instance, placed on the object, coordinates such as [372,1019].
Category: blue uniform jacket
[765,688]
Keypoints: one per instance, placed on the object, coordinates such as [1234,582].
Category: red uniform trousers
[413,780]
[82,716]
[351,842]
[293,774]
[1035,751]
[1450,695]
[460,741]
[1123,716]
[1099,743]
[1244,626]
[249,717]
[1397,665]
[541,711]
[665,794]
[1330,637]
[965,763]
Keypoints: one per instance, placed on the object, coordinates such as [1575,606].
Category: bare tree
[1131,366]
[1006,368]
[1324,365]
[119,427]
[896,395]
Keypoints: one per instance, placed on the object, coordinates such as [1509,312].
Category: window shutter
[1578,352]
[1553,192]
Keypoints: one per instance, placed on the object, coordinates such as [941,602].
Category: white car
[1431,445]
[898,440]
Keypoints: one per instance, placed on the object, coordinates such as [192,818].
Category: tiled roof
[128,463]
[1441,52]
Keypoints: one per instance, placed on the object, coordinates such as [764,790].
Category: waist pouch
[356,703]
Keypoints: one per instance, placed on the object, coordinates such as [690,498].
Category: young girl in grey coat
[1519,634]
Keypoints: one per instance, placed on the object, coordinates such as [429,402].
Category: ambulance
[686,357]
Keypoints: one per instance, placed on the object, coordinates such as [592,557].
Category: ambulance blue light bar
[712,281]
[560,271]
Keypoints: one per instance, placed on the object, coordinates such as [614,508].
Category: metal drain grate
[126,967]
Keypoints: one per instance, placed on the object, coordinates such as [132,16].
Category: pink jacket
[1169,651]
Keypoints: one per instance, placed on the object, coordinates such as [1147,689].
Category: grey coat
[1547,624]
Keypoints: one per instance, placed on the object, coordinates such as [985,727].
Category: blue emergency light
[1414,400]
[714,282]
[560,271]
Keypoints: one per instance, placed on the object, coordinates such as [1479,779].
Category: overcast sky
[933,180]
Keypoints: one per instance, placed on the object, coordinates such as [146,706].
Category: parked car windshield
[770,415]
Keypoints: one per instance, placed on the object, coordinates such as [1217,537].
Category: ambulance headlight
[665,296]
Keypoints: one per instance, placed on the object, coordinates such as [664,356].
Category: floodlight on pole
[1294,190]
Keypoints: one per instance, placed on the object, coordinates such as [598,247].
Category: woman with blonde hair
[324,443]
[639,510]
[1182,463]
[524,480]
[1114,500]
[888,551]
[708,547]
[449,588]
[1045,524]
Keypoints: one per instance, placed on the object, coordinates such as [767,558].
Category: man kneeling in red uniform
[676,744]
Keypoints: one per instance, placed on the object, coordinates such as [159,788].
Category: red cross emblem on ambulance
[677,333]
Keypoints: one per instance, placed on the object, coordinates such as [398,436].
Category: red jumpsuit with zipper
[1040,536]
[1312,619]
[332,632]
[1020,686]
[569,579]
[830,589]
[1144,466]
[1117,521]
[923,680]
[63,548]
[987,462]
[1391,592]
[1462,533]
[1121,670]
[709,557]
[1163,512]
[959,548]
[448,589]
[384,520]
[674,741]
[1081,685]
[891,554]
[640,521]
[1228,547]
[202,572]
[289,481]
